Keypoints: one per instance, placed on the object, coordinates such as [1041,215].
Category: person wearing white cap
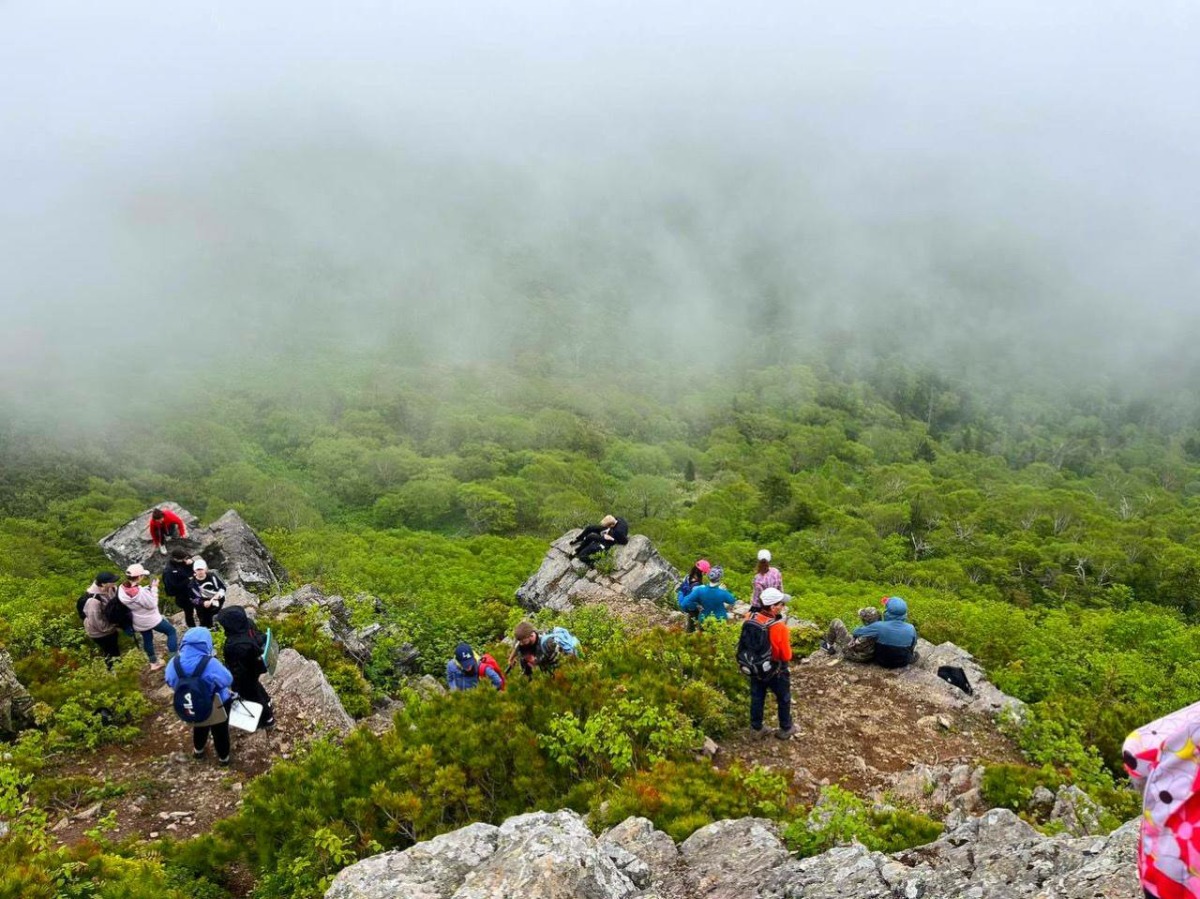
[764,577]
[208,592]
[777,679]
[142,602]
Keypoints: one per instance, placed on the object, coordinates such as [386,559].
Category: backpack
[193,697]
[80,603]
[486,662]
[116,612]
[952,674]
[754,656]
[565,640]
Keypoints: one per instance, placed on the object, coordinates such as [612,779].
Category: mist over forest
[1005,193]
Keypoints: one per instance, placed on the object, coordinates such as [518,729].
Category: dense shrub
[840,817]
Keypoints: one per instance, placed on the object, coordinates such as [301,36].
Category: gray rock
[1076,812]
[638,837]
[16,705]
[237,595]
[130,543]
[300,685]
[1041,803]
[431,870]
[727,859]
[243,559]
[563,582]
[629,864]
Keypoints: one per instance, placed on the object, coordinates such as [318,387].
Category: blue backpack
[564,640]
[193,697]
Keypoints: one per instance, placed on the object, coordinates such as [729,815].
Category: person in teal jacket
[710,600]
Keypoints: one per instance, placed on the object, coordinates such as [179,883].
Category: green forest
[1051,533]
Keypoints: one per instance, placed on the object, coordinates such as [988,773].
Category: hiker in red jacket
[165,524]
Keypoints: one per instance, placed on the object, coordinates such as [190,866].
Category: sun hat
[703,566]
[773,597]
[764,555]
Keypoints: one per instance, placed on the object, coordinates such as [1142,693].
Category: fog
[1006,190]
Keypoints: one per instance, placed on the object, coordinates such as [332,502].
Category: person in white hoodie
[142,601]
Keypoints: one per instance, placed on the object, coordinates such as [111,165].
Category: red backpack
[486,662]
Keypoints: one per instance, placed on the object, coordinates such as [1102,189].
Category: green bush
[840,817]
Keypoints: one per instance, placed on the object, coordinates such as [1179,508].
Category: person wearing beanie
[771,616]
[104,633]
[596,538]
[710,600]
[207,592]
[177,584]
[142,602]
[889,643]
[765,576]
[198,647]
[165,525]
[465,671]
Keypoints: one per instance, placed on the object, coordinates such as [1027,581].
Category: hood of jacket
[197,643]
[239,630]
[897,609]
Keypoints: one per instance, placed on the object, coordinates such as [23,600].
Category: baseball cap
[704,565]
[773,597]
[465,656]
[137,569]
[764,555]
[198,564]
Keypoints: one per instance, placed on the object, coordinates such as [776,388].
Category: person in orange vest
[764,650]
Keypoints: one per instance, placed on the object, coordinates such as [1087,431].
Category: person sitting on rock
[779,680]
[177,584]
[890,643]
[694,579]
[596,538]
[165,525]
[541,651]
[710,600]
[142,602]
[104,633]
[244,659]
[764,576]
[207,592]
[466,672]
[197,647]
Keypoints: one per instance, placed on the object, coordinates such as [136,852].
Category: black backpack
[193,697]
[116,612]
[754,656]
[952,674]
[80,603]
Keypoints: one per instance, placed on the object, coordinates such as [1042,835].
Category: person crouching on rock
[142,602]
[466,672]
[778,680]
[710,600]
[207,592]
[596,538]
[165,525]
[889,643]
[541,651]
[177,584]
[244,659]
[196,660]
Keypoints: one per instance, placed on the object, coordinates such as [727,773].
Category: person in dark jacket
[196,647]
[895,639]
[207,592]
[177,584]
[596,538]
[244,659]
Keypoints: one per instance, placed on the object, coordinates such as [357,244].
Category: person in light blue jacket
[463,672]
[710,600]
[197,646]
[890,643]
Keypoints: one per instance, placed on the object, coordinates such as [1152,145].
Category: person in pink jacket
[142,602]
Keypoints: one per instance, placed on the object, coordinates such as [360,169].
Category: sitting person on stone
[542,652]
[596,538]
[466,672]
[207,592]
[710,600]
[165,525]
[889,643]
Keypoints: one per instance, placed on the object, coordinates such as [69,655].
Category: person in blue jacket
[710,600]
[196,646]
[463,671]
[894,638]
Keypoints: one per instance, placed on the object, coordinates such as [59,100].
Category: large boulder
[563,582]
[300,684]
[228,545]
[638,838]
[16,705]
[431,870]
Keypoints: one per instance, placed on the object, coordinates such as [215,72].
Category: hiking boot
[224,763]
[157,666]
[784,733]
[829,647]
[758,733]
[267,725]
[162,550]
[198,755]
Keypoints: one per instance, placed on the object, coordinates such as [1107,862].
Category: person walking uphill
[465,672]
[177,584]
[207,592]
[541,651]
[142,602]
[211,681]
[764,576]
[595,539]
[244,659]
[763,653]
[165,525]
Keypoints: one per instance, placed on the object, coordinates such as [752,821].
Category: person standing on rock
[104,633]
[710,600]
[541,651]
[244,659]
[177,583]
[888,643]
[207,592]
[196,659]
[777,679]
[142,602]
[165,525]
[466,672]
[765,577]
[596,538]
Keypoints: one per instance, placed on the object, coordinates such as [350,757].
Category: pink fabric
[762,581]
[144,605]
[1163,762]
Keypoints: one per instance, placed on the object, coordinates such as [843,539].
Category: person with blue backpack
[202,693]
[542,652]
[710,600]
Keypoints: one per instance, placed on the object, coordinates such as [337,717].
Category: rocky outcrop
[952,793]
[993,856]
[986,698]
[228,545]
[16,705]
[300,684]
[563,582]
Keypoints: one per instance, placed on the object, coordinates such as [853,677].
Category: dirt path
[856,726]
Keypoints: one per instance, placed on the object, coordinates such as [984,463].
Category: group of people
[111,606]
[533,649]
